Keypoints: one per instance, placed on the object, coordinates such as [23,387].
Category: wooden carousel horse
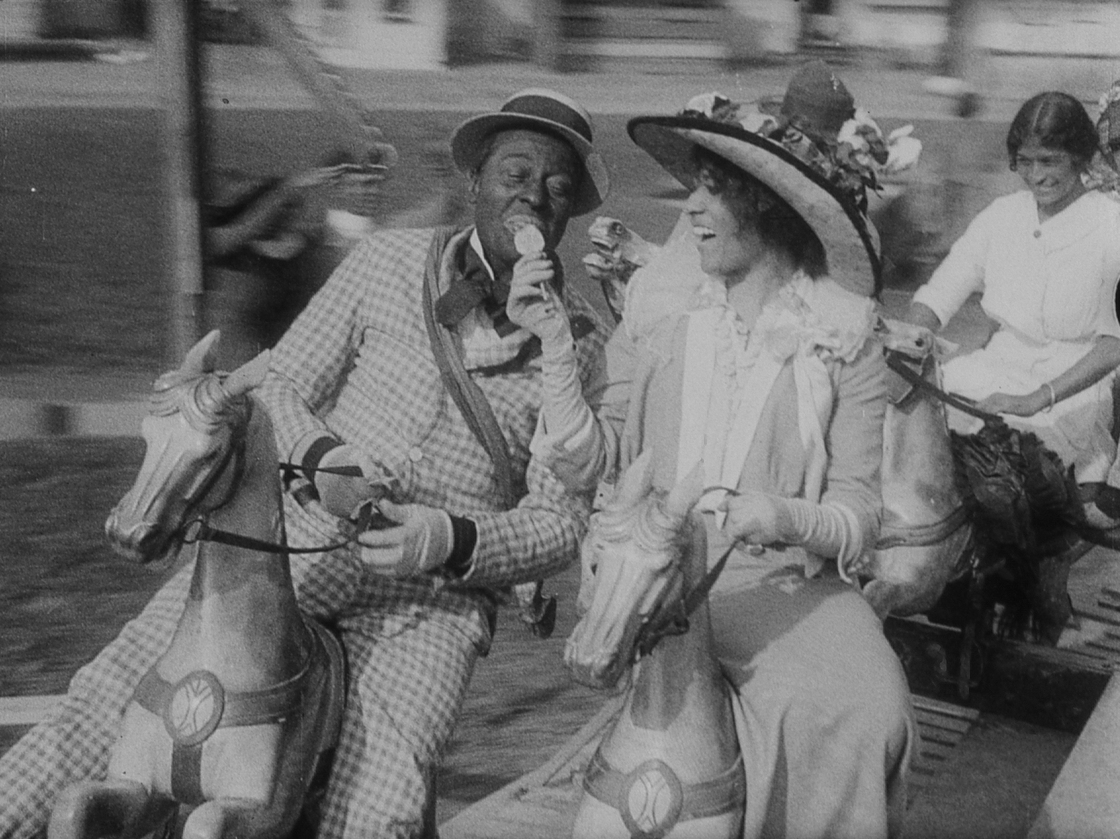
[235,718]
[670,764]
[925,534]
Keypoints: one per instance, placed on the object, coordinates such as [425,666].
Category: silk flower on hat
[856,159]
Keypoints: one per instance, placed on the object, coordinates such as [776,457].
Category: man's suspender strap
[469,398]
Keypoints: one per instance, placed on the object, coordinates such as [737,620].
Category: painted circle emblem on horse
[235,719]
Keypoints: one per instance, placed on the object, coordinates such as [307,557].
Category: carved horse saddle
[197,705]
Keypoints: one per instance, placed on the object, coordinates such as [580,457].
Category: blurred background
[128,127]
[89,213]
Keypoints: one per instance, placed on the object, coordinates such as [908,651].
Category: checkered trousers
[73,743]
[406,685]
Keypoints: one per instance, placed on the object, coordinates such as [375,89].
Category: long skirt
[822,708]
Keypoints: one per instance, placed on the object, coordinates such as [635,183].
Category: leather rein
[198,529]
[674,621]
[897,362]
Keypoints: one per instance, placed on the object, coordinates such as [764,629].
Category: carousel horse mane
[202,398]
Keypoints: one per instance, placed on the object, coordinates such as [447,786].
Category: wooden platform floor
[975,776]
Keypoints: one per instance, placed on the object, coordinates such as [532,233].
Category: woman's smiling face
[1052,175]
[728,244]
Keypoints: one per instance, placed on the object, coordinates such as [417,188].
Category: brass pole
[180,94]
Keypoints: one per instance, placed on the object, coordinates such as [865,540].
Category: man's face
[527,174]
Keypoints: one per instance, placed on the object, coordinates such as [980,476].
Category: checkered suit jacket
[358,365]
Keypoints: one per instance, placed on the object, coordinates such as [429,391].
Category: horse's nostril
[140,542]
[599,670]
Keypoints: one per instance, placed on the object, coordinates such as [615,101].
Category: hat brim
[850,241]
[467,144]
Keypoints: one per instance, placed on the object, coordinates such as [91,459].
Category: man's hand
[534,304]
[342,494]
[421,540]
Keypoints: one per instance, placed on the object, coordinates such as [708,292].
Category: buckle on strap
[197,705]
[651,798]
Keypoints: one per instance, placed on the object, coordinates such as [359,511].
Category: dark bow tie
[472,285]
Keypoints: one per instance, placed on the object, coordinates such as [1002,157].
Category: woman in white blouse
[1046,261]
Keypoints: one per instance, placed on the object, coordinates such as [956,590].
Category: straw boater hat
[538,109]
[812,148]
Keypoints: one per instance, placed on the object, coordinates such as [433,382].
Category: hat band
[549,109]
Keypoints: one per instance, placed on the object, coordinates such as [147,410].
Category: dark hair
[1058,121]
[752,202]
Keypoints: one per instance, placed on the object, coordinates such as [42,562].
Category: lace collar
[807,316]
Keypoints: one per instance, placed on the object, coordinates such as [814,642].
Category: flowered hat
[813,147]
[1104,169]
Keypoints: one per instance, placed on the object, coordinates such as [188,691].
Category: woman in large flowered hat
[775,385]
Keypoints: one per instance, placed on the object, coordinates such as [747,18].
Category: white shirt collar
[476,243]
[482,346]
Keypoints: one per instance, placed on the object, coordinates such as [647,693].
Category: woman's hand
[534,305]
[756,518]
[1017,406]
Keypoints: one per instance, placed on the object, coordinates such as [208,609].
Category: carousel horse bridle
[674,620]
[197,529]
[172,702]
[900,363]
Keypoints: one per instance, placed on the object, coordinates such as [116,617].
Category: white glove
[341,495]
[534,304]
[422,540]
[572,444]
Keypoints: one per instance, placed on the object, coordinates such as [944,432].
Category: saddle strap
[654,779]
[924,534]
[197,705]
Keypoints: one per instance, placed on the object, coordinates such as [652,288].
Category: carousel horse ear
[248,375]
[636,482]
[200,357]
[686,493]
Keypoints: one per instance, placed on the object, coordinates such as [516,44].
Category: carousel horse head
[925,533]
[636,548]
[194,437]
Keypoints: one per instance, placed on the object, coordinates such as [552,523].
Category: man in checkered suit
[356,383]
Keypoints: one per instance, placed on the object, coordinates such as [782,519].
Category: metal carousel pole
[180,95]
